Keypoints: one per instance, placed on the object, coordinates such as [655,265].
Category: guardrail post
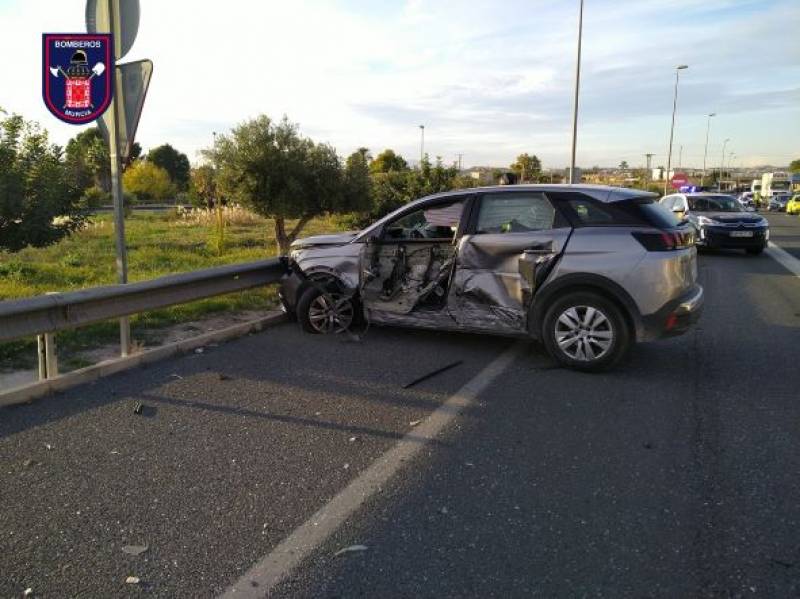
[40,353]
[51,358]
[47,356]
[124,336]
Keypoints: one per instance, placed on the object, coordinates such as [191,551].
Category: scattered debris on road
[414,422]
[134,549]
[433,373]
[199,350]
[352,439]
[29,463]
[350,549]
[48,447]
[132,580]
[137,409]
[27,592]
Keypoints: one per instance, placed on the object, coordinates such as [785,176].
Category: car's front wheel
[586,331]
[324,309]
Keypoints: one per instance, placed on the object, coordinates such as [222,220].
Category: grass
[158,244]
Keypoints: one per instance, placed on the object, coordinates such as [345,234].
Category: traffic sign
[678,180]
[126,17]
[133,79]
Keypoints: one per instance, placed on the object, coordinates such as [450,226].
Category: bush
[94,197]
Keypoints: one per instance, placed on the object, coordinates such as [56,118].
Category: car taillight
[665,241]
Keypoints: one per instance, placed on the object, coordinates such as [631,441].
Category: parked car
[588,270]
[720,221]
[778,202]
[746,200]
[793,205]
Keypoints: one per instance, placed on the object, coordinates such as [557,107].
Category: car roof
[603,193]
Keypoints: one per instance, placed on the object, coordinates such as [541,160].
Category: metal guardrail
[47,314]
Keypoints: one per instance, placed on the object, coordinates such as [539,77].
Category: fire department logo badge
[78,67]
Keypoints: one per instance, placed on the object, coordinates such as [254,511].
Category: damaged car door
[408,266]
[506,253]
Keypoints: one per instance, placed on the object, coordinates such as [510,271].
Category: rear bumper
[676,316]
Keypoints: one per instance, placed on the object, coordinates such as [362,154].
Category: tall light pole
[705,152]
[678,70]
[722,163]
[421,145]
[575,103]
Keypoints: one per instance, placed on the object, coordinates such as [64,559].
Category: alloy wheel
[584,333]
[330,313]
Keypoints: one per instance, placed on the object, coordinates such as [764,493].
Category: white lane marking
[274,567]
[784,258]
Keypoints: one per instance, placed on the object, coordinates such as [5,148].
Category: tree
[203,185]
[148,182]
[357,180]
[87,157]
[794,166]
[623,166]
[174,162]
[39,196]
[280,174]
[387,162]
[527,167]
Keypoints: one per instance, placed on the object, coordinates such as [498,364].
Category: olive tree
[272,169]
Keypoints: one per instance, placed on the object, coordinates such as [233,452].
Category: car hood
[731,217]
[316,240]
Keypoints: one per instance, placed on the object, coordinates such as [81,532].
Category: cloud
[488,79]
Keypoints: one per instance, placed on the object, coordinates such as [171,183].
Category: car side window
[439,222]
[515,213]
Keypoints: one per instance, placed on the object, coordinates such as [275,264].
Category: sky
[488,79]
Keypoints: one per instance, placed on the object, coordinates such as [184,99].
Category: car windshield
[714,204]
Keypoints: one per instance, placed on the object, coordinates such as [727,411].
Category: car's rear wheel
[325,309]
[586,331]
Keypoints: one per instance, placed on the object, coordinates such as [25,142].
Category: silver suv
[587,270]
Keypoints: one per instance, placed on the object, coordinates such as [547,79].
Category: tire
[607,336]
[755,251]
[326,308]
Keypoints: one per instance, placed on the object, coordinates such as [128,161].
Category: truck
[777,182]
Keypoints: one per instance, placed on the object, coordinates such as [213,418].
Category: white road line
[783,257]
[274,567]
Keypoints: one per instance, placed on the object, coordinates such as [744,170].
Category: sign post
[678,180]
[118,123]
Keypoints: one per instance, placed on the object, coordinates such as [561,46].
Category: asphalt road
[785,231]
[677,475]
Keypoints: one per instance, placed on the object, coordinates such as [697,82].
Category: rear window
[650,212]
[631,212]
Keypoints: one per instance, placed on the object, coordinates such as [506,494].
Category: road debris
[433,373]
[132,580]
[177,376]
[346,466]
[414,422]
[48,447]
[137,408]
[350,549]
[352,439]
[224,377]
[134,549]
[29,463]
[199,350]
[27,592]
[443,510]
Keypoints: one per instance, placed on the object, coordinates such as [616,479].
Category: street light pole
[421,145]
[722,163]
[575,103]
[678,70]
[705,152]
